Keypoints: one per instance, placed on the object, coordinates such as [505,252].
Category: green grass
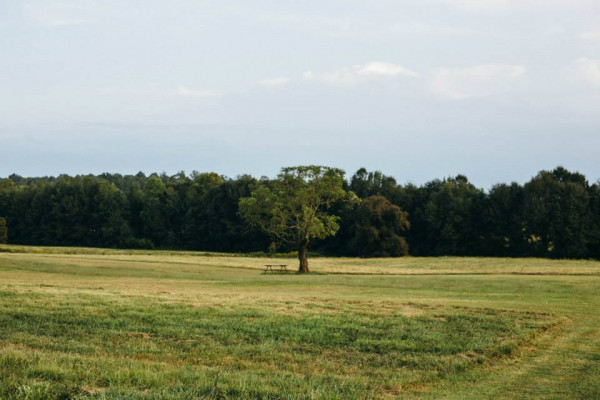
[111,324]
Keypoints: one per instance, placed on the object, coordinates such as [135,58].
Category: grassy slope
[112,324]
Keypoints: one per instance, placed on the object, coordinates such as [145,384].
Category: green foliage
[556,214]
[365,184]
[593,234]
[3,231]
[212,220]
[506,232]
[156,206]
[446,218]
[294,208]
[375,228]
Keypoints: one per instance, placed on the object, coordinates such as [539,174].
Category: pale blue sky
[494,89]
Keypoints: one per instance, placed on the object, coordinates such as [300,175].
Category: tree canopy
[294,208]
[377,229]
[3,231]
[555,214]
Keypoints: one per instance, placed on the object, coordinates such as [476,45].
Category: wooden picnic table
[269,267]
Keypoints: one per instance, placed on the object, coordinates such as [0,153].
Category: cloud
[483,3]
[589,69]
[513,4]
[306,22]
[182,91]
[308,75]
[424,28]
[189,92]
[590,35]
[360,73]
[476,81]
[54,14]
[128,90]
[273,82]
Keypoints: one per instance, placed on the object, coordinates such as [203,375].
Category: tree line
[556,214]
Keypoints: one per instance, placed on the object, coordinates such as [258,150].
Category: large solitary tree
[293,208]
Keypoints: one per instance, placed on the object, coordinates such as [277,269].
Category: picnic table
[269,267]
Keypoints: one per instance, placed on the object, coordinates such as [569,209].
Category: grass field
[109,324]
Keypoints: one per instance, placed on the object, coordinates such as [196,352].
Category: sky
[494,89]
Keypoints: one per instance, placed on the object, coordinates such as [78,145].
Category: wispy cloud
[476,81]
[307,22]
[363,72]
[308,75]
[425,28]
[273,82]
[512,4]
[53,14]
[185,91]
[128,90]
[589,70]
[590,35]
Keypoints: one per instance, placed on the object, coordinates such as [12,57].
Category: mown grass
[329,265]
[182,326]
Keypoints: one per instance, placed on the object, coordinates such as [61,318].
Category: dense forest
[556,214]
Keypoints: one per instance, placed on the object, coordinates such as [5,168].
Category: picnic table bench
[269,267]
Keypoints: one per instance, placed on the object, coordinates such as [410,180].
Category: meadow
[79,323]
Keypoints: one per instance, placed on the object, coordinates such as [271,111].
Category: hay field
[109,324]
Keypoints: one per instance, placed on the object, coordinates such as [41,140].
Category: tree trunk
[302,257]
